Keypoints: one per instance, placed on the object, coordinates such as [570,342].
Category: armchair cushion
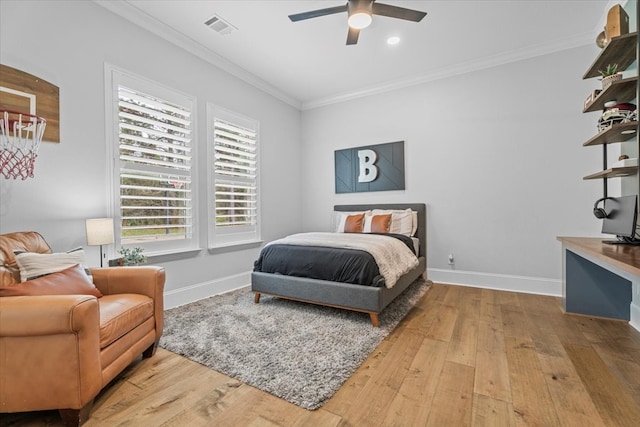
[71,281]
[143,280]
[120,314]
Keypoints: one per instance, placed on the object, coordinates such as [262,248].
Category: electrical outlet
[451,261]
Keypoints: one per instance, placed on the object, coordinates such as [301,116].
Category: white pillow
[414,227]
[34,265]
[341,218]
[401,220]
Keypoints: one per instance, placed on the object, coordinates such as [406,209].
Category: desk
[600,279]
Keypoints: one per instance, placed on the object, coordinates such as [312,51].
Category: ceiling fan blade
[316,13]
[352,36]
[398,12]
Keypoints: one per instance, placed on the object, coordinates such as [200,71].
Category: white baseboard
[635,316]
[181,296]
[503,282]
[530,285]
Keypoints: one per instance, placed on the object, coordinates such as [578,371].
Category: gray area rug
[299,352]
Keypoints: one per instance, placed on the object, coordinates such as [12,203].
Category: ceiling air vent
[219,25]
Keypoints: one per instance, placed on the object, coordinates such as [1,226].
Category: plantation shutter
[235,179]
[155,159]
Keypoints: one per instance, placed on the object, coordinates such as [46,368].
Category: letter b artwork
[371,168]
[367,167]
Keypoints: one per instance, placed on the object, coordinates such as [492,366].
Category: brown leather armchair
[59,351]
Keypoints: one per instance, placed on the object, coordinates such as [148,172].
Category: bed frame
[365,299]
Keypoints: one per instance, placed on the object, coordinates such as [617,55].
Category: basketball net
[20,138]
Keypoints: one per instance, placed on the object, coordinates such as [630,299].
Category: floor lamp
[100,232]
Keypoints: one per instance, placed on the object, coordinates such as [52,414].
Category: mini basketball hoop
[20,138]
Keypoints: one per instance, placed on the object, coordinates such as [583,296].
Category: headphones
[600,213]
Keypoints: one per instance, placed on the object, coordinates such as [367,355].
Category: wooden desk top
[625,257]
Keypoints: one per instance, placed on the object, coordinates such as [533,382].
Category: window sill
[161,256]
[232,246]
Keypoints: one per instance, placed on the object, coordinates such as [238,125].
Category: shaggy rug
[299,352]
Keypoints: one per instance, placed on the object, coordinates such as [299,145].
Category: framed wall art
[370,168]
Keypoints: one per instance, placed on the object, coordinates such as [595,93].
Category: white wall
[496,155]
[67,43]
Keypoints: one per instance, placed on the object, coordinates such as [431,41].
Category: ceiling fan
[360,15]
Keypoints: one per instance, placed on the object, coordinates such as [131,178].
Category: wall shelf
[621,90]
[622,51]
[613,173]
[615,133]
[619,50]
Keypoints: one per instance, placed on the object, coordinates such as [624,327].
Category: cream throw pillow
[33,265]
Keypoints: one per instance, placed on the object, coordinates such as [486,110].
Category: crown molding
[463,68]
[136,16]
[141,19]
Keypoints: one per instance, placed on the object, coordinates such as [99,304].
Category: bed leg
[256,297]
[374,319]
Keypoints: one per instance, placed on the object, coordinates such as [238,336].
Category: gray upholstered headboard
[421,208]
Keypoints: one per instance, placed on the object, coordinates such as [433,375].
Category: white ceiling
[307,63]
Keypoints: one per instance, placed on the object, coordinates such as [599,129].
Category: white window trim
[218,238]
[113,77]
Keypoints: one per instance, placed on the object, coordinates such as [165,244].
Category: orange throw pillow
[354,223]
[380,223]
[71,281]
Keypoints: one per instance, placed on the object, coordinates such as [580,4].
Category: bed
[350,296]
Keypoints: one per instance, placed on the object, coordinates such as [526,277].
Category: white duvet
[393,257]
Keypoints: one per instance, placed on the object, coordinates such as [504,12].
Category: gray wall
[67,43]
[496,155]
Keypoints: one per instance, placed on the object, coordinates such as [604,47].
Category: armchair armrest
[148,280]
[145,280]
[52,339]
[48,315]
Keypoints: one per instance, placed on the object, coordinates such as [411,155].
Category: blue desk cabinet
[600,279]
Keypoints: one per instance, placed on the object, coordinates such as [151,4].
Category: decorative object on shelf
[617,22]
[132,256]
[99,232]
[20,138]
[617,25]
[593,95]
[618,113]
[624,162]
[602,40]
[609,75]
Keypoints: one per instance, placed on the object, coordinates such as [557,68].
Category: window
[153,167]
[233,178]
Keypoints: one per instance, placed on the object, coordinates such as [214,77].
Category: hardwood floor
[462,357]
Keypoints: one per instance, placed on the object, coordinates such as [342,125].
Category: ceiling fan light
[359,20]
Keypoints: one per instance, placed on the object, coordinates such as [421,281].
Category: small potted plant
[132,256]
[609,75]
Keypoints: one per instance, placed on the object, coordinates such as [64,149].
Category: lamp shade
[99,231]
